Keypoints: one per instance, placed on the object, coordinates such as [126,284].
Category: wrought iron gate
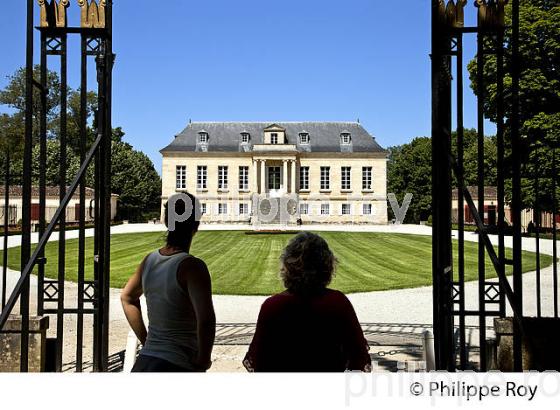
[95,34]
[450,312]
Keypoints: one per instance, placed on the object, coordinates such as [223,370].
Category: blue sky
[245,60]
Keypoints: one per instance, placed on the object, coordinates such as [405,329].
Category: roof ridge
[274,122]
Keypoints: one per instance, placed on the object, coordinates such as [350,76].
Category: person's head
[182,220]
[307,264]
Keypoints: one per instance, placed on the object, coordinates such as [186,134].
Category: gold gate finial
[491,13]
[452,15]
[53,13]
[92,15]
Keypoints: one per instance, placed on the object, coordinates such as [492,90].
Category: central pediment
[275,127]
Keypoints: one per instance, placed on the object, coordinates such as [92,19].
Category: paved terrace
[393,320]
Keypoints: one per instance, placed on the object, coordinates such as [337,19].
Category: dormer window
[274,138]
[245,137]
[345,138]
[203,137]
[304,138]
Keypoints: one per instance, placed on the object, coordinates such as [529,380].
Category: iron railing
[448,30]
[95,33]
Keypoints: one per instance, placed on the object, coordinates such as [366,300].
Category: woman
[177,286]
[308,327]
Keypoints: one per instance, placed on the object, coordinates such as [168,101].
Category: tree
[134,177]
[539,94]
[409,170]
[14,97]
[470,158]
[11,137]
[136,182]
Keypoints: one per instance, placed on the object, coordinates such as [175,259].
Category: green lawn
[243,264]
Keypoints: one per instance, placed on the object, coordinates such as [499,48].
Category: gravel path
[405,306]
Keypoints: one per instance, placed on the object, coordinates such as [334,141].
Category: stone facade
[231,177]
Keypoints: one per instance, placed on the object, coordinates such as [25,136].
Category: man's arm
[130,299]
[193,276]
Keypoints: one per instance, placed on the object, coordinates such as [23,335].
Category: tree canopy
[409,170]
[539,94]
[134,177]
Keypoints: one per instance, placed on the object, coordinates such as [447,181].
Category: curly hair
[307,264]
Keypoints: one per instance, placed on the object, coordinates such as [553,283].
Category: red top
[320,333]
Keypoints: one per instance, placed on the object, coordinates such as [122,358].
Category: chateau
[310,172]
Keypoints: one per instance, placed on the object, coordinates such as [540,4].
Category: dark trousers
[152,364]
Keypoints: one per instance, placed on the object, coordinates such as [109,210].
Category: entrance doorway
[274,178]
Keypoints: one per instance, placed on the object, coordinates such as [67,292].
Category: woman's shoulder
[335,294]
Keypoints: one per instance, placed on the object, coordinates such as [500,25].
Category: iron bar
[108,78]
[554,233]
[42,170]
[537,224]
[97,337]
[442,260]
[516,185]
[62,191]
[82,206]
[500,174]
[480,177]
[26,193]
[461,207]
[6,227]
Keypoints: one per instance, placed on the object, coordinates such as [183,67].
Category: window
[243,209]
[325,178]
[345,138]
[273,177]
[245,136]
[325,209]
[346,209]
[367,178]
[366,209]
[346,178]
[274,138]
[304,178]
[222,177]
[243,178]
[203,137]
[304,138]
[222,209]
[181,177]
[202,209]
[201,177]
[304,209]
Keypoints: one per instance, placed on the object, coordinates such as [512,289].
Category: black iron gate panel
[450,312]
[95,35]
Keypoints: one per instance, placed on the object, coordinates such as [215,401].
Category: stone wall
[540,345]
[10,344]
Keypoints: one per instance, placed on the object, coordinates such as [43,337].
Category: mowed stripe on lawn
[243,264]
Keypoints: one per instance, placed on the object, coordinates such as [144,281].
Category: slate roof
[16,191]
[226,137]
[490,193]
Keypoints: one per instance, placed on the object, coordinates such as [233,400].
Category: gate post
[442,264]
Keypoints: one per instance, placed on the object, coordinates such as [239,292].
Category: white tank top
[172,329]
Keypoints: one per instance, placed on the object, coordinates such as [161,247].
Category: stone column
[255,177]
[263,176]
[294,188]
[285,176]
